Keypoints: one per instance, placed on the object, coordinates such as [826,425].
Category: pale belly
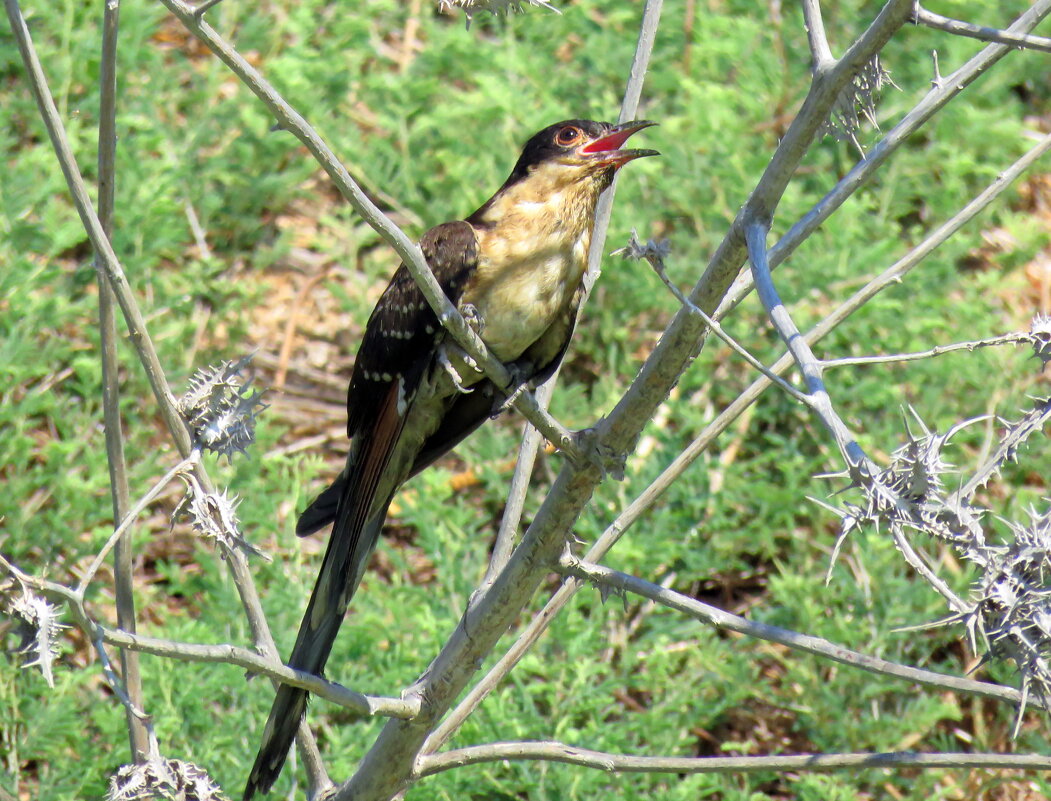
[516,310]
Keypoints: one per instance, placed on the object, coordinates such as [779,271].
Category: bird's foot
[519,383]
[586,446]
[450,368]
[473,318]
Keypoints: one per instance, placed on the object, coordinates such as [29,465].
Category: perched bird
[514,269]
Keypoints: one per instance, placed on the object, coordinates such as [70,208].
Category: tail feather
[322,509]
[337,581]
[365,492]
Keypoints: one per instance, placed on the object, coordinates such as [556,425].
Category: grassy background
[433,115]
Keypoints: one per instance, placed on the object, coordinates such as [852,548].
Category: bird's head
[582,151]
[562,171]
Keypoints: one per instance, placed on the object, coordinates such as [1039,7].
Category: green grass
[439,137]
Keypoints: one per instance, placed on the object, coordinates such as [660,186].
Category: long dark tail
[345,560]
[359,519]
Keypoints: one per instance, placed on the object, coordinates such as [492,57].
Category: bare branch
[366,705]
[516,493]
[654,254]
[1019,338]
[922,16]
[201,9]
[820,402]
[188,463]
[820,52]
[118,472]
[684,336]
[818,646]
[615,763]
[116,683]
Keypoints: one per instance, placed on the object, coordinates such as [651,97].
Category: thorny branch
[612,580]
[1011,612]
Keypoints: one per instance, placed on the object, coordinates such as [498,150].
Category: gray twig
[818,646]
[1018,338]
[820,51]
[617,763]
[654,254]
[922,16]
[811,368]
[118,471]
[367,705]
[889,277]
[117,536]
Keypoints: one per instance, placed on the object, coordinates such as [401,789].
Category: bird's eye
[568,136]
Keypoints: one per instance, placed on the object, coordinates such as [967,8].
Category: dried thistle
[40,630]
[494,7]
[1040,333]
[1013,602]
[857,100]
[1008,613]
[212,515]
[220,409]
[163,778]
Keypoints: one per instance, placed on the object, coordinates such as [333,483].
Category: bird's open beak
[606,149]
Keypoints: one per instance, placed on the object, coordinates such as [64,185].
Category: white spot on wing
[403,403]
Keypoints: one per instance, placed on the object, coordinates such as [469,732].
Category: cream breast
[531,265]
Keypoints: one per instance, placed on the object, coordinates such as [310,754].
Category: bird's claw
[454,375]
[586,445]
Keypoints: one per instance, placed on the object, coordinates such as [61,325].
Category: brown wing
[399,343]
[403,331]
